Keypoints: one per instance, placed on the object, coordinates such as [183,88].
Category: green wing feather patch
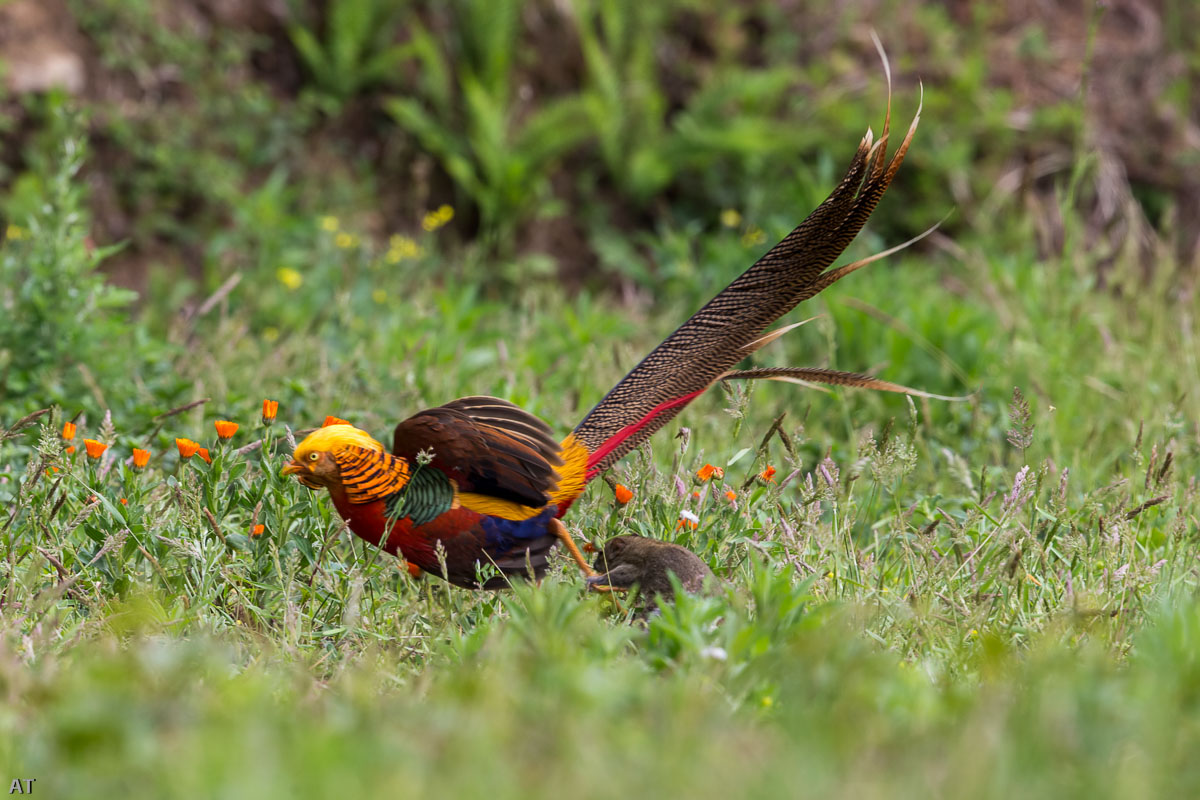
[428,494]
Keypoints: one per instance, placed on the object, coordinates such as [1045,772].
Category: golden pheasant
[479,482]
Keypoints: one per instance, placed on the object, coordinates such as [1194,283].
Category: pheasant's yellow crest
[368,472]
[333,438]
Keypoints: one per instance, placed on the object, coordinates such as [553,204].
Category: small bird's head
[316,461]
[617,550]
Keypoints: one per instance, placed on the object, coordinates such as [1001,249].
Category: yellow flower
[731,218]
[14,232]
[289,277]
[754,235]
[401,247]
[271,333]
[329,224]
[346,240]
[436,219]
[379,296]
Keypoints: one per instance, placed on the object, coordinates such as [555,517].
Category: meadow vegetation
[986,598]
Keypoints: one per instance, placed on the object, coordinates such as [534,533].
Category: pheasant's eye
[313,456]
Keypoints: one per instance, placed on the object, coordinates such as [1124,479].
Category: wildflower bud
[94,448]
[270,409]
[623,493]
[225,429]
[140,457]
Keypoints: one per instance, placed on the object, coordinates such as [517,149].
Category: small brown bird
[632,560]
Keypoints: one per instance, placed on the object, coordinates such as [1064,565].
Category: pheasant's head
[317,461]
[347,458]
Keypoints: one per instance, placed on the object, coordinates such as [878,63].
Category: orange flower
[94,449]
[270,409]
[187,448]
[225,429]
[70,449]
[767,474]
[257,530]
[731,495]
[203,453]
[124,502]
[688,520]
[140,458]
[696,495]
[331,420]
[68,430]
[709,471]
[623,493]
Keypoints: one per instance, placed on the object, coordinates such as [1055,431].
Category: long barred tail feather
[731,326]
[830,377]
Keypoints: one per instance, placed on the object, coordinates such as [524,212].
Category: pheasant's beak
[303,473]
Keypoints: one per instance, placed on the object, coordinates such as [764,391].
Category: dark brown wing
[486,445]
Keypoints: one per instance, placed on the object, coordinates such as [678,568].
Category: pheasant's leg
[565,537]
[605,588]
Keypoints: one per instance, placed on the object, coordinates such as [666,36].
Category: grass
[913,603]
[994,597]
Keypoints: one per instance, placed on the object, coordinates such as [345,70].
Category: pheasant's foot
[614,592]
[605,588]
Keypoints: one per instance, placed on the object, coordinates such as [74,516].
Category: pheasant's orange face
[314,469]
